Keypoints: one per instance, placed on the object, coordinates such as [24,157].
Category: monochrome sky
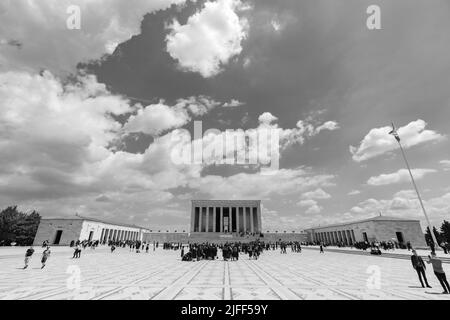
[88,117]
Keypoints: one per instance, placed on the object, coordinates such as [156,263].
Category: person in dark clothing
[439,271]
[321,248]
[420,268]
[45,256]
[28,255]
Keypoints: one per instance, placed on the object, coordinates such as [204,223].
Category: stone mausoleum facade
[226,216]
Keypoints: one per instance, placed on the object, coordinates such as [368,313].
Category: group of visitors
[29,253]
[420,267]
[230,251]
[197,252]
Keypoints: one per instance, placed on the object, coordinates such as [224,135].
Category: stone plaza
[161,275]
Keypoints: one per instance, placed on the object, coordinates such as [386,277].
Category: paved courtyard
[162,275]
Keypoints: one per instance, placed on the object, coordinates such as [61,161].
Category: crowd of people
[231,250]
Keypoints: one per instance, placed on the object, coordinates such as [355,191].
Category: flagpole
[433,237]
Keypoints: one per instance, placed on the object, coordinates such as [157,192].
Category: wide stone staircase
[221,237]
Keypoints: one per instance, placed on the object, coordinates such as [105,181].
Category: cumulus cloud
[258,147]
[158,118]
[445,164]
[209,39]
[400,176]
[405,204]
[63,48]
[267,118]
[233,104]
[329,125]
[316,194]
[378,141]
[58,152]
[258,186]
[312,205]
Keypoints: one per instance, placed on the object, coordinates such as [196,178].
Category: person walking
[45,256]
[321,248]
[420,268]
[439,271]
[28,255]
[76,252]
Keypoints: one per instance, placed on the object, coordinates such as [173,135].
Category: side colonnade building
[376,229]
[62,231]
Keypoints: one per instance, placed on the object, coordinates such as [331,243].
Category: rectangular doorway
[399,237]
[91,234]
[365,237]
[58,237]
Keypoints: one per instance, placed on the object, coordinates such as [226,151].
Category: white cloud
[64,48]
[267,118]
[405,204]
[157,118]
[58,154]
[209,39]
[445,164]
[354,193]
[378,141]
[258,186]
[400,176]
[316,194]
[329,125]
[276,25]
[314,209]
[312,205]
[233,104]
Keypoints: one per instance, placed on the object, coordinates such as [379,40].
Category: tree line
[442,236]
[18,227]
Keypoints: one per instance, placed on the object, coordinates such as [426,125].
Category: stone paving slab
[162,275]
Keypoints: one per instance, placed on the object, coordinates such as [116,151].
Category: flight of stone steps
[220,238]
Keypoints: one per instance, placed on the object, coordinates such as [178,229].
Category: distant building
[380,228]
[64,230]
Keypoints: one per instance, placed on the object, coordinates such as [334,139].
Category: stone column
[256,223]
[230,220]
[237,219]
[192,217]
[207,219]
[259,218]
[244,216]
[200,214]
[221,219]
[252,226]
[214,220]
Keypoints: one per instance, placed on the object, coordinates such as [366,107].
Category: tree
[445,231]
[438,236]
[19,227]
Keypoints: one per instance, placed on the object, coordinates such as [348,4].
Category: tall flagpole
[397,137]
